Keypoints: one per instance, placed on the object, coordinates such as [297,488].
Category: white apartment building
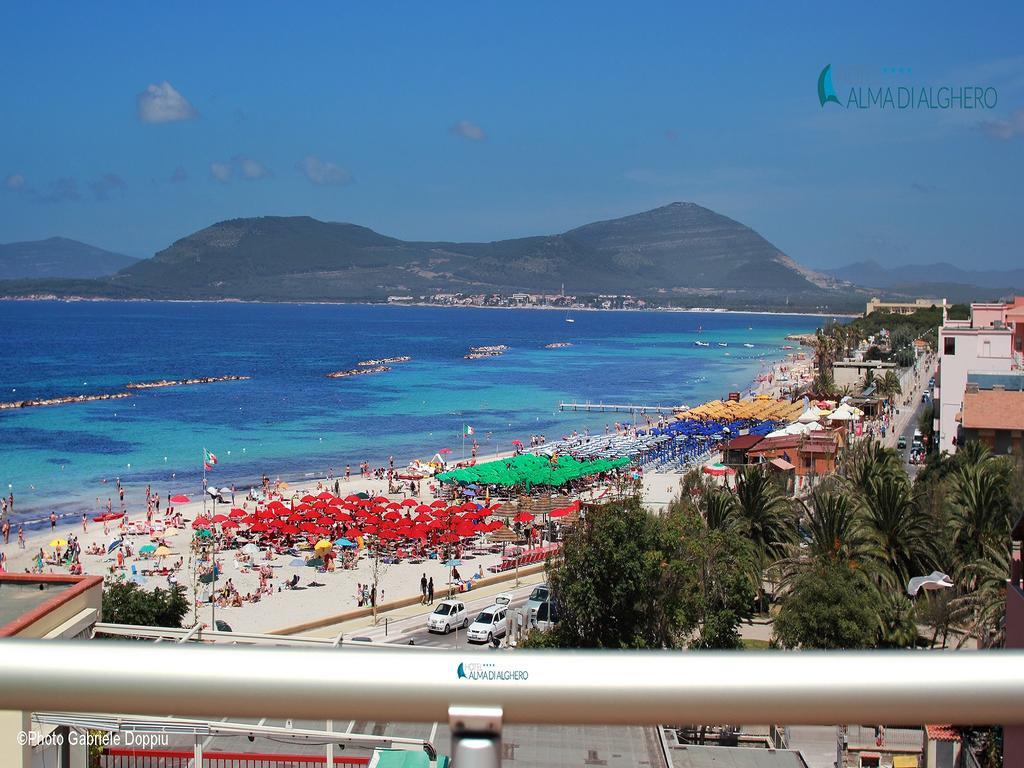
[964,348]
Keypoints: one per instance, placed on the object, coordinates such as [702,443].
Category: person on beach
[6,531]
[85,520]
[53,521]
[21,536]
[423,589]
[430,591]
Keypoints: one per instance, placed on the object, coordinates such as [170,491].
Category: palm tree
[983,609]
[889,385]
[765,517]
[831,536]
[865,461]
[719,510]
[981,512]
[897,530]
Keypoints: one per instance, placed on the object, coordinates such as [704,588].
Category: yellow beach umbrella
[162,551]
[322,546]
[58,543]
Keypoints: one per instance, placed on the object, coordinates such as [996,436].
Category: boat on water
[701,344]
[558,345]
[749,346]
[723,344]
[569,319]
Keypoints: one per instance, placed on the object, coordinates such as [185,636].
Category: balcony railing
[577,687]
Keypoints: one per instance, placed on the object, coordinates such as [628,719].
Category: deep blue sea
[290,421]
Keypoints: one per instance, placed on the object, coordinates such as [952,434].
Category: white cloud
[164,104]
[468,130]
[1004,129]
[323,173]
[238,166]
[15,181]
[249,168]
[222,172]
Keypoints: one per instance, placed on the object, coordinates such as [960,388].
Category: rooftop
[984,380]
[25,598]
[734,757]
[743,442]
[993,409]
[942,733]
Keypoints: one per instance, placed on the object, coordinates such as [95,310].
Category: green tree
[897,530]
[125,602]
[827,606]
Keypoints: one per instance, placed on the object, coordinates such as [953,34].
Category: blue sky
[480,121]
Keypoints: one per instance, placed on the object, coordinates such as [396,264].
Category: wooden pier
[619,408]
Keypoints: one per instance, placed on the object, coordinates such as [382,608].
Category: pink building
[990,342]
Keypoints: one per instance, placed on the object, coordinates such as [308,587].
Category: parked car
[448,615]
[902,442]
[505,599]
[539,595]
[491,624]
[546,616]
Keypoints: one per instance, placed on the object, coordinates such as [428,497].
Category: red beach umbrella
[421,518]
[258,528]
[449,538]
[409,502]
[371,528]
[180,499]
[236,512]
[423,509]
[523,517]
[200,522]
[381,499]
[392,515]
[230,524]
[353,499]
[325,495]
[307,498]
[289,529]
[438,503]
[220,518]
[562,512]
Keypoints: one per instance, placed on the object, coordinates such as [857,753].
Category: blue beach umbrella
[297,562]
[452,563]
[343,542]
[114,544]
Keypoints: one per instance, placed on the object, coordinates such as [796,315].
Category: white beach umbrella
[933,581]
[808,416]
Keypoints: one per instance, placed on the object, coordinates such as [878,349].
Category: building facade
[983,344]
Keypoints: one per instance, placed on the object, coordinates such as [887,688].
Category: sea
[291,422]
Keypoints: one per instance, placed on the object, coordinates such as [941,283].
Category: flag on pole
[467,430]
[209,459]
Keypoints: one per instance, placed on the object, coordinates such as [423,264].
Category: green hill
[680,251]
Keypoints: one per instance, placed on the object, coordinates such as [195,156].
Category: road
[414,628]
[907,424]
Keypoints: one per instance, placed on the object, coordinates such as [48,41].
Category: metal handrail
[551,687]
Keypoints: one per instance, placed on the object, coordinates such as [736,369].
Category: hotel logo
[488,671]
[902,97]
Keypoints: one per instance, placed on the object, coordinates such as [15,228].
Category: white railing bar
[551,687]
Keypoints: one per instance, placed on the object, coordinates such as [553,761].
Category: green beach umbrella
[147,548]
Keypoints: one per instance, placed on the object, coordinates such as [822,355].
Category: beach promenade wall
[362,613]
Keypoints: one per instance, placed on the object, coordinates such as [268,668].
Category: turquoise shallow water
[289,420]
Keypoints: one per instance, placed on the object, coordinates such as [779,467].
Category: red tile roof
[993,409]
[743,442]
[942,733]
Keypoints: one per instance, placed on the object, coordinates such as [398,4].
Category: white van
[492,623]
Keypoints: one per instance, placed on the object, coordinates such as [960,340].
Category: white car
[539,595]
[492,623]
[504,599]
[448,615]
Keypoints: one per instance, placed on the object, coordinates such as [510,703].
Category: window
[949,346]
[986,349]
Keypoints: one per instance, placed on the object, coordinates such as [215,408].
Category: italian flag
[209,459]
[468,430]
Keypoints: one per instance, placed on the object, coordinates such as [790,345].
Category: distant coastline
[694,310]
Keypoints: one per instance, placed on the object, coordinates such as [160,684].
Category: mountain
[678,250]
[941,275]
[58,257]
